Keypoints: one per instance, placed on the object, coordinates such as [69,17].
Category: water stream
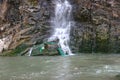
[78,67]
[61,24]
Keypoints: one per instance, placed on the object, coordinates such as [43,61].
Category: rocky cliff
[24,23]
[98,26]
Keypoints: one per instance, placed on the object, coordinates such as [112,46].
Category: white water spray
[61,24]
[30,51]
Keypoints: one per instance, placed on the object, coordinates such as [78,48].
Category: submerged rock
[117,77]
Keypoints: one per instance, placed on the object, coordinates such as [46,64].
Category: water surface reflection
[78,67]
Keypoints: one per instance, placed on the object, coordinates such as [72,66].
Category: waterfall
[30,51]
[61,24]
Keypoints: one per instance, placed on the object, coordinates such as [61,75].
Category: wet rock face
[27,21]
[96,28]
[9,10]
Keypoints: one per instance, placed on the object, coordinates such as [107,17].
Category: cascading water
[61,24]
[30,51]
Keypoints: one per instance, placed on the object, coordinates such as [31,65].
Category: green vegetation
[16,51]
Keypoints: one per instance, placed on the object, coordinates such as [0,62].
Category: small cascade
[61,24]
[30,51]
